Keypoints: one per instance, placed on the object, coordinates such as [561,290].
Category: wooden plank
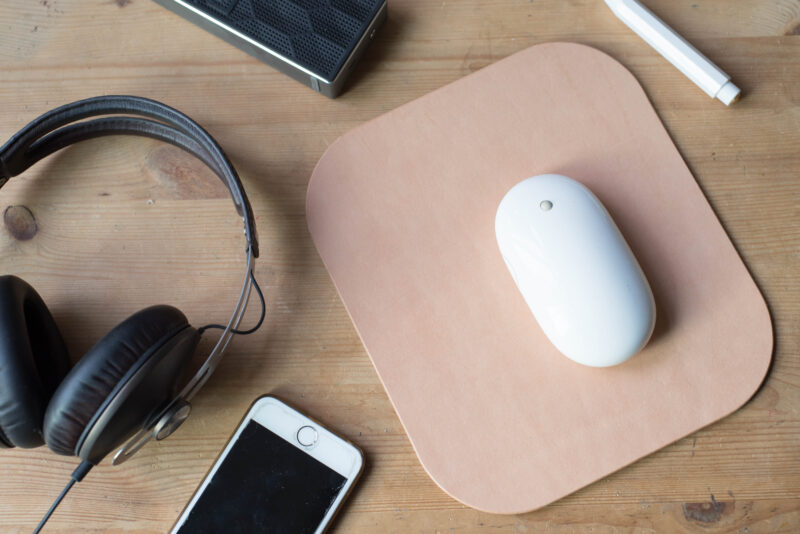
[123,223]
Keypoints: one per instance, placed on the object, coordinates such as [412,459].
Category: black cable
[251,330]
[76,476]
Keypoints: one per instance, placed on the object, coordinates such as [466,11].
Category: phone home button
[307,436]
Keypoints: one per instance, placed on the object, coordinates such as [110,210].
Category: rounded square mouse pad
[402,212]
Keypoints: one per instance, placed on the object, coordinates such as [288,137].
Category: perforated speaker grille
[316,34]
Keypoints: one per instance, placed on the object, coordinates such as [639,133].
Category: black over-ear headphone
[128,382]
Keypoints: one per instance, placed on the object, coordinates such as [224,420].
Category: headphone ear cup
[33,361]
[119,383]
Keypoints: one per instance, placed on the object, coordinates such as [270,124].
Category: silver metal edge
[94,427]
[141,438]
[251,41]
[357,52]
[191,388]
[329,88]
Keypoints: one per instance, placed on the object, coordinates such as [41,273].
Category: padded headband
[58,128]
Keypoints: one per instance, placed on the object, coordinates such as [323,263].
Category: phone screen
[265,484]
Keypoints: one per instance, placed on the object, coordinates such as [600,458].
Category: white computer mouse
[575,270]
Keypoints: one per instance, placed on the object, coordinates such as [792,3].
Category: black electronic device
[316,42]
[281,473]
[129,385]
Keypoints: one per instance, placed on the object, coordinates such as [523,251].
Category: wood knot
[707,512]
[20,222]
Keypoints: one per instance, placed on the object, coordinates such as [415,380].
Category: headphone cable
[76,476]
[85,466]
[251,330]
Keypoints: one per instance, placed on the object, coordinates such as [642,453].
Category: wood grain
[118,224]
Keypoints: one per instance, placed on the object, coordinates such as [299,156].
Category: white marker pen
[676,49]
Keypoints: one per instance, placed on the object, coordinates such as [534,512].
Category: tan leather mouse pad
[402,212]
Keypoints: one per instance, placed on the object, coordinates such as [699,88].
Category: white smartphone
[280,473]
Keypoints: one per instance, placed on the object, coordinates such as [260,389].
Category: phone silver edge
[249,415]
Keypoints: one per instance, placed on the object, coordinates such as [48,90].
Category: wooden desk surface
[119,224]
